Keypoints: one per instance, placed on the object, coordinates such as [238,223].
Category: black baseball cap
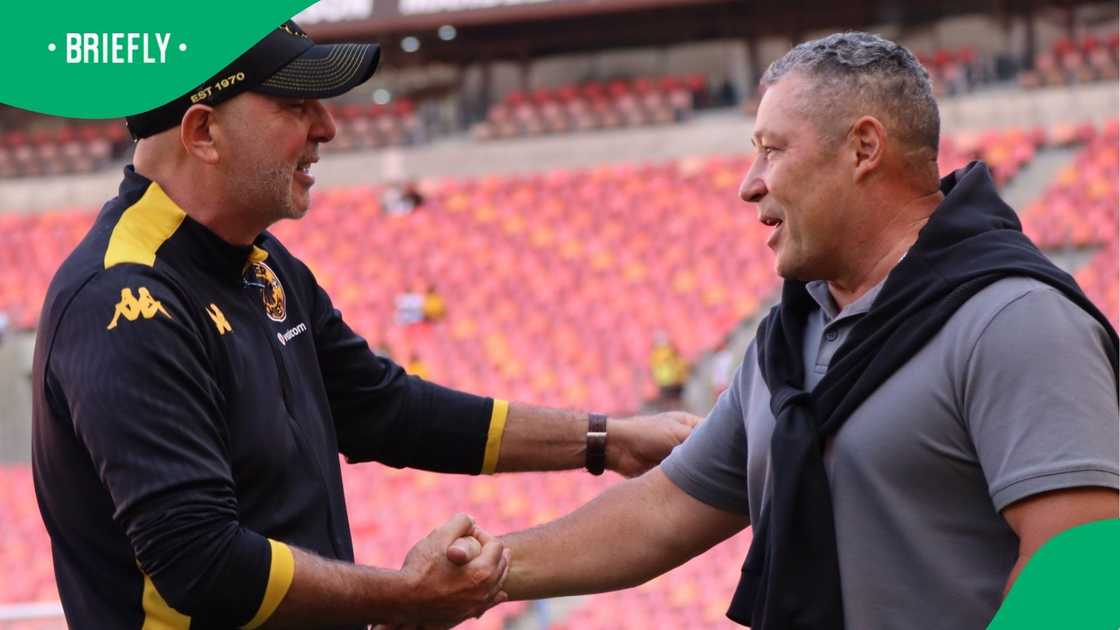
[285,63]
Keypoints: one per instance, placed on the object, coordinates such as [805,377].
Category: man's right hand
[467,548]
[454,573]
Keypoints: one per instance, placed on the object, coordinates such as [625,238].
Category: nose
[753,188]
[322,123]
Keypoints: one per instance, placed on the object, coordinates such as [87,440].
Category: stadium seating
[1098,279]
[58,149]
[526,228]
[952,72]
[554,286]
[1005,152]
[1091,59]
[360,126]
[31,248]
[391,509]
[1080,210]
[85,148]
[23,541]
[536,270]
[595,105]
[533,269]
[693,597]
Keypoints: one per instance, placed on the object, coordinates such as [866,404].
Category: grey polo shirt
[1013,397]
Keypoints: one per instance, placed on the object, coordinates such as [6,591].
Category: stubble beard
[269,187]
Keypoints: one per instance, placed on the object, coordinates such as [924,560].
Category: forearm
[1015,570]
[326,593]
[1039,518]
[631,533]
[428,590]
[539,438]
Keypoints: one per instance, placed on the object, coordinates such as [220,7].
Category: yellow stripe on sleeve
[494,436]
[280,574]
[158,615]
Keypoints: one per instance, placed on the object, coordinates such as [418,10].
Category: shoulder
[128,297]
[990,300]
[1023,305]
[112,283]
[1026,331]
[746,374]
[125,324]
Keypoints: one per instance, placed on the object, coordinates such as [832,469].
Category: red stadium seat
[555,286]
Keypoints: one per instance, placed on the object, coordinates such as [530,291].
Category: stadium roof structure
[520,30]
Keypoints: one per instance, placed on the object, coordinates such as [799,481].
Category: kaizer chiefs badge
[272,294]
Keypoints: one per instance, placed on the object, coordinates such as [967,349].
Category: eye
[766,150]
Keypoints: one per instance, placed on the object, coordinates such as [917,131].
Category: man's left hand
[634,445]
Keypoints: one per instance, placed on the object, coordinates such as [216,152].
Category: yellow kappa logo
[219,319]
[132,307]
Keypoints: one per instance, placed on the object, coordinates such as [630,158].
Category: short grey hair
[854,74]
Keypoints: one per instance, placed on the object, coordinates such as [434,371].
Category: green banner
[88,59]
[1071,583]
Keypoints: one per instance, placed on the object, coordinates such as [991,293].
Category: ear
[194,133]
[869,139]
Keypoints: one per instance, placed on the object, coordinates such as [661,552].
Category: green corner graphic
[110,59]
[1071,583]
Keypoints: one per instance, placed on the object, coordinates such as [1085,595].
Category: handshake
[456,572]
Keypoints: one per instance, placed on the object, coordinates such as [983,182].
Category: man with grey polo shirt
[930,402]
[921,470]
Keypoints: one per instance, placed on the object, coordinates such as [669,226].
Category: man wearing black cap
[194,387]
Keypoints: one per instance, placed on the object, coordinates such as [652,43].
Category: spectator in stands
[194,387]
[417,367]
[669,370]
[931,401]
[420,305]
[401,199]
[410,308]
[433,309]
[727,96]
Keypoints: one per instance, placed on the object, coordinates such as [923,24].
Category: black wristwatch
[596,443]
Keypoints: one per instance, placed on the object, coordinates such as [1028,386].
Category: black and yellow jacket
[191,399]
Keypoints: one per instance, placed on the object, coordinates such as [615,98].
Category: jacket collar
[193,241]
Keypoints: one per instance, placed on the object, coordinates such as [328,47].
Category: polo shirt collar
[818,290]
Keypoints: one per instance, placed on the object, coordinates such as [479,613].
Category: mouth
[303,170]
[776,223]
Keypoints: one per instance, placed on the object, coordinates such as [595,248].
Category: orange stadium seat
[362,126]
[1006,152]
[592,105]
[555,286]
[1080,209]
[1067,61]
[533,277]
[59,149]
